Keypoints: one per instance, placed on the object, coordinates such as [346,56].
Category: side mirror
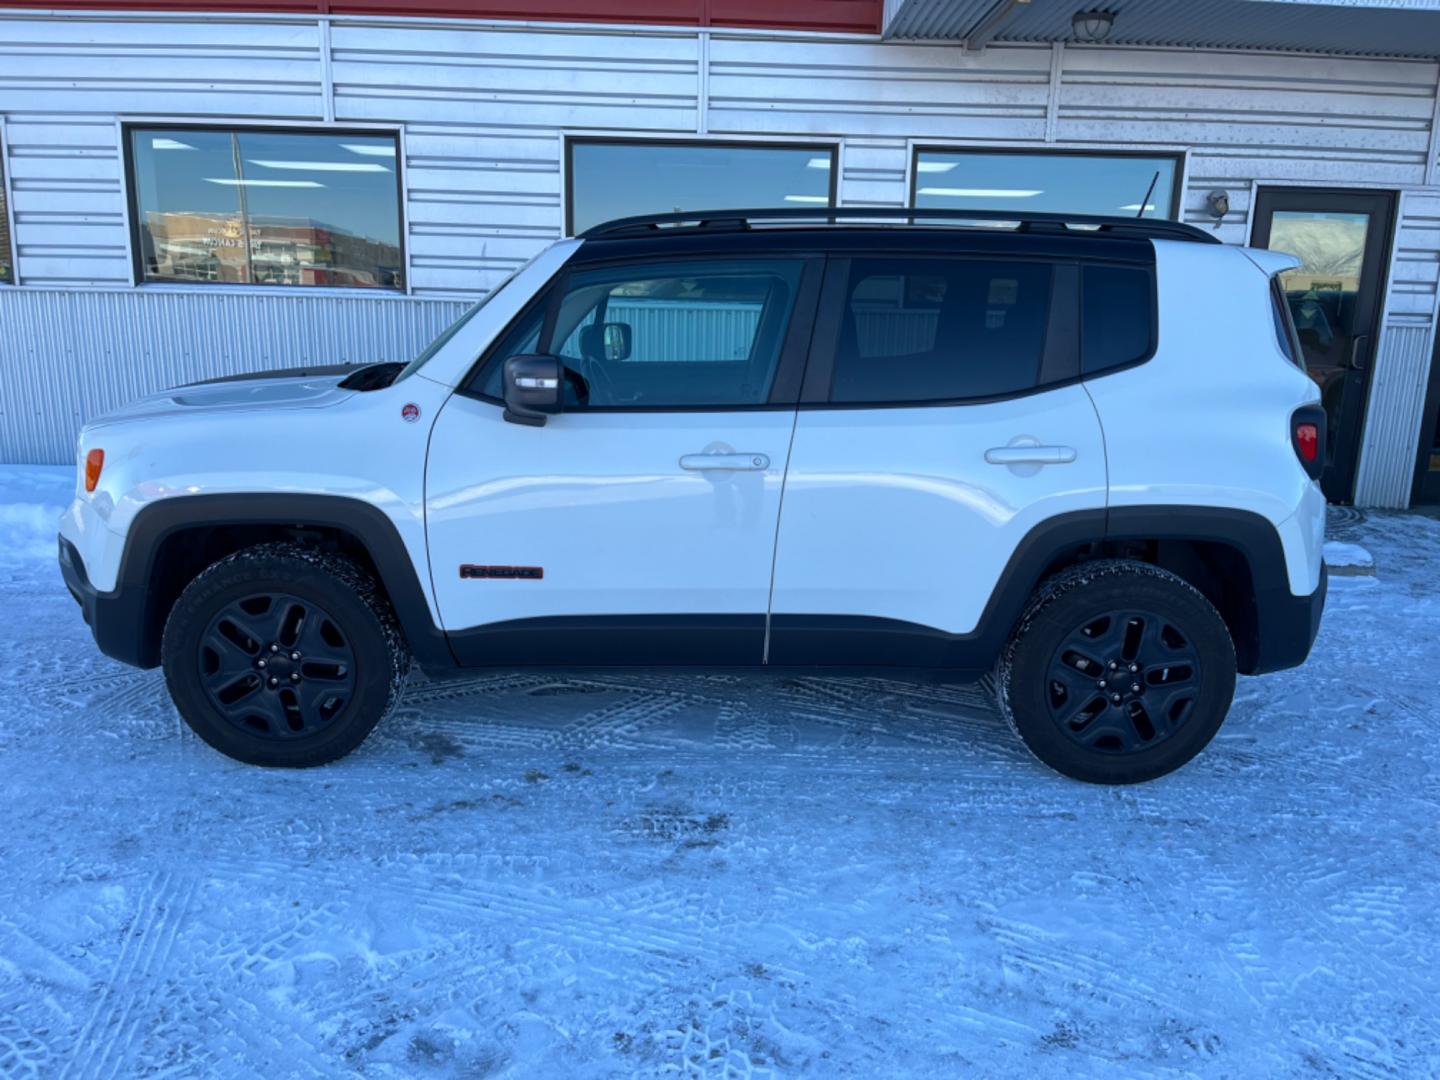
[619,339]
[609,341]
[533,389]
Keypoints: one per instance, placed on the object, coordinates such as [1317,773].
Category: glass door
[1342,239]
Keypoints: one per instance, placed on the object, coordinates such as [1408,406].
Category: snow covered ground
[541,876]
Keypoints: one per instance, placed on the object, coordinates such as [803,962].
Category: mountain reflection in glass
[257,207]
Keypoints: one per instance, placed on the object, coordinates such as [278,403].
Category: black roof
[710,222]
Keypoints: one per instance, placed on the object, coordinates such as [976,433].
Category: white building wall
[483,110]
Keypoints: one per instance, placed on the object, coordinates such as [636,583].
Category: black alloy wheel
[1117,672]
[1123,681]
[284,655]
[276,665]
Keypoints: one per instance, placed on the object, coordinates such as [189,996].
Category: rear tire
[1118,672]
[284,656]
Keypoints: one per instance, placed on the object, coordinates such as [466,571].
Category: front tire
[1118,672]
[284,656]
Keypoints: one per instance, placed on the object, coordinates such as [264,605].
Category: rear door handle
[1030,455]
[727,462]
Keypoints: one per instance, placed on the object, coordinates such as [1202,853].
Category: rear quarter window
[1285,334]
[1117,313]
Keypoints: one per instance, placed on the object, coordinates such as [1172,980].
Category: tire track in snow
[572,922]
[107,1042]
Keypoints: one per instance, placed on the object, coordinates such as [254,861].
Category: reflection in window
[7,266]
[267,207]
[665,335]
[611,180]
[1111,185]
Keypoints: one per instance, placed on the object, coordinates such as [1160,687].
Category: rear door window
[917,330]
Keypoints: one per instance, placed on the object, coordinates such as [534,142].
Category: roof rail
[741,220]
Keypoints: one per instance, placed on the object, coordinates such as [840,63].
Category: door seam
[775,546]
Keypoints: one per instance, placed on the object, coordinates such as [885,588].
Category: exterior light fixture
[1092,26]
[1218,202]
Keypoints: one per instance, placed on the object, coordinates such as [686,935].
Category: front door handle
[1030,455]
[726,462]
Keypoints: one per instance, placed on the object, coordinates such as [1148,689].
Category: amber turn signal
[94,462]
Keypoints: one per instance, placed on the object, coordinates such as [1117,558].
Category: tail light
[94,462]
[1307,435]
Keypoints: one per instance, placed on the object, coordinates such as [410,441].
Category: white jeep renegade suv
[1079,453]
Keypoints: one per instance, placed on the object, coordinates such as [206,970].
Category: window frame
[1177,156]
[7,193]
[830,149]
[789,365]
[129,124]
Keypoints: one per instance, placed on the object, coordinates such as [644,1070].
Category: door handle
[725,462]
[1030,455]
[1355,362]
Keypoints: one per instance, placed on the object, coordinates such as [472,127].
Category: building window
[614,179]
[266,207]
[1057,182]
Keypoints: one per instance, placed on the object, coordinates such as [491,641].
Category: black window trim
[132,209]
[785,387]
[1177,156]
[829,149]
[1059,359]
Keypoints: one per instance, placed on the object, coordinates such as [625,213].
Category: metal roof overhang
[1406,28]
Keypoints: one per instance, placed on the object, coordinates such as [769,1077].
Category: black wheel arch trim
[127,621]
[1285,624]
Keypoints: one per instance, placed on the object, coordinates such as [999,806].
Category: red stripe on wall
[850,16]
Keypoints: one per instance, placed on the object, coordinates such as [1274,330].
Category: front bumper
[116,623]
[1287,626]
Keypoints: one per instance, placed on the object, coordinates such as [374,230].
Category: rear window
[1117,317]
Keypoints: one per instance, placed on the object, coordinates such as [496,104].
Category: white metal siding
[70,354]
[1395,414]
[483,110]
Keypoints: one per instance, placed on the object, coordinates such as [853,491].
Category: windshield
[454,328]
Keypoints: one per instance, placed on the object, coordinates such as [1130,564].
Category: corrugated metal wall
[484,109]
[71,354]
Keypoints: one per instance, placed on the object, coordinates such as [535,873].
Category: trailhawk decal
[504,573]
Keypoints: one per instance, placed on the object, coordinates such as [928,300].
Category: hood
[268,391]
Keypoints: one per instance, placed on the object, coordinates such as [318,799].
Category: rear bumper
[1287,626]
[117,625]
